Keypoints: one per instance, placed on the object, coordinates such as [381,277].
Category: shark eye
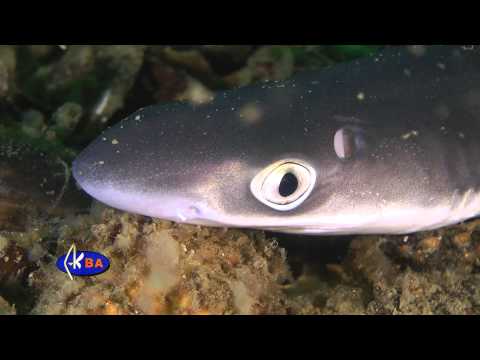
[284,185]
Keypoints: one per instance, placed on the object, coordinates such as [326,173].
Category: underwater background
[55,99]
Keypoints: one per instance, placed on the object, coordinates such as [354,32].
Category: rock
[6,308]
[33,124]
[65,119]
[462,240]
[8,65]
[158,267]
[32,184]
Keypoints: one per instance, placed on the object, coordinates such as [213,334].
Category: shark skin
[386,144]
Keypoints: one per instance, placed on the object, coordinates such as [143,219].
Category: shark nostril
[190,213]
[194,211]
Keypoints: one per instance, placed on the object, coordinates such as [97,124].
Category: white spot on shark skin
[115,142]
[250,113]
[413,133]
[360,96]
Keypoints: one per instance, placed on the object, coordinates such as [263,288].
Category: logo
[82,263]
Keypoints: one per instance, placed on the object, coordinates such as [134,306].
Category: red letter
[88,263]
[99,263]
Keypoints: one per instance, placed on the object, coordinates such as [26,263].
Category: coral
[65,119]
[428,273]
[158,267]
[434,272]
[267,63]
[249,64]
[163,268]
[97,77]
[15,267]
[33,124]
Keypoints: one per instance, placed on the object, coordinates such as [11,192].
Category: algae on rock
[158,267]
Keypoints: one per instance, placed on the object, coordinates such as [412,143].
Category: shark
[387,144]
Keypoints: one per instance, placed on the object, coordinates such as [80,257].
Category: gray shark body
[385,144]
